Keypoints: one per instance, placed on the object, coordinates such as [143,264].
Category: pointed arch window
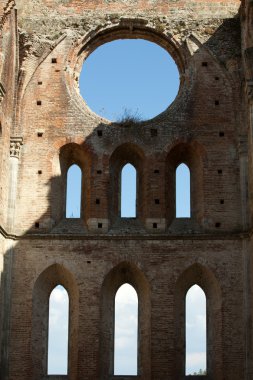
[74,186]
[126,331]
[183,192]
[195,331]
[128,191]
[58,327]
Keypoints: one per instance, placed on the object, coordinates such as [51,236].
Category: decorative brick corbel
[15,146]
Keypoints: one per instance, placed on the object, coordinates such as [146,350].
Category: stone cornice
[239,235]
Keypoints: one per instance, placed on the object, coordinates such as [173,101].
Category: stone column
[6,276]
[15,147]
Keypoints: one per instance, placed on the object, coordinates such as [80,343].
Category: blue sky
[141,77]
[136,75]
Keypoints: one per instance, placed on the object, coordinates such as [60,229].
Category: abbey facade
[45,127]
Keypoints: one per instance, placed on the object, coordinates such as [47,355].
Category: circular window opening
[129,78]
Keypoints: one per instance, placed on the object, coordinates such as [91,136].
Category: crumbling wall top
[207,8]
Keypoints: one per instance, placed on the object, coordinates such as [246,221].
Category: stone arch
[203,277]
[54,275]
[191,154]
[124,154]
[125,272]
[128,29]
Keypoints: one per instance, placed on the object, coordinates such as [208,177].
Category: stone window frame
[51,277]
[125,272]
[202,276]
[127,153]
[193,156]
[68,155]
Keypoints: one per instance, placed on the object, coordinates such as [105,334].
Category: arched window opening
[126,331]
[58,332]
[74,186]
[195,331]
[183,192]
[128,191]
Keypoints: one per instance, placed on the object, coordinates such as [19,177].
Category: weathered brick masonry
[46,126]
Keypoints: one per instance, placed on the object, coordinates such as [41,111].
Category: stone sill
[219,235]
